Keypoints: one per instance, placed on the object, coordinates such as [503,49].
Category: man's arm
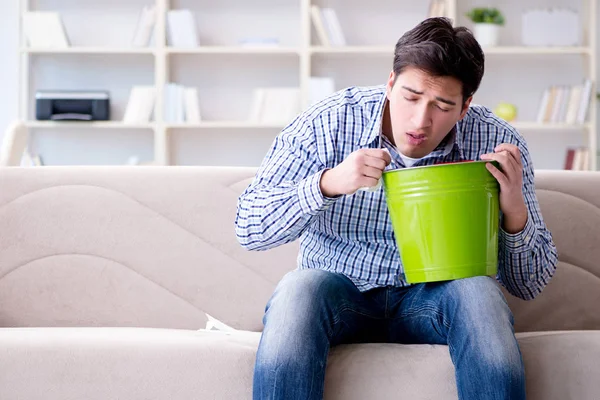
[527,254]
[285,194]
[297,181]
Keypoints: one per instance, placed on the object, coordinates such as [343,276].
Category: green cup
[445,219]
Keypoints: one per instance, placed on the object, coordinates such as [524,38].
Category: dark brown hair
[438,48]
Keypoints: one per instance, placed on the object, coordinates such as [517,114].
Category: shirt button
[527,237]
[532,276]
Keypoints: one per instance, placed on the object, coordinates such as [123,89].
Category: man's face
[422,110]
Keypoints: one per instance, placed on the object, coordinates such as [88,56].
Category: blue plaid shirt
[353,234]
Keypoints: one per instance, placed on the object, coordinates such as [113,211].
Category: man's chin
[412,151]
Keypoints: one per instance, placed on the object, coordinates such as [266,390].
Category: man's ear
[465,107]
[390,85]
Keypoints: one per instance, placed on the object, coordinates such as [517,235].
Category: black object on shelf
[62,105]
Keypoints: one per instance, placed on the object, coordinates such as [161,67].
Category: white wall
[518,79]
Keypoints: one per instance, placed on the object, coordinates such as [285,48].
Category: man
[348,286]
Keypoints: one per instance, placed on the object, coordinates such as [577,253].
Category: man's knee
[481,313]
[480,302]
[306,292]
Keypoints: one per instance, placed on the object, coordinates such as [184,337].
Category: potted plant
[487,23]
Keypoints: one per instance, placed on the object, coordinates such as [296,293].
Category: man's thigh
[428,313]
[310,300]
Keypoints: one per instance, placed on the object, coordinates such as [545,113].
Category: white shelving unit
[225,73]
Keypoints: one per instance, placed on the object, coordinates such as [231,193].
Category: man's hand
[512,202]
[362,168]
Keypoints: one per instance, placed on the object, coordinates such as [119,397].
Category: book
[173,106]
[275,105]
[44,29]
[319,24]
[281,105]
[584,102]
[181,29]
[577,159]
[192,107]
[140,105]
[333,27]
[437,8]
[145,27]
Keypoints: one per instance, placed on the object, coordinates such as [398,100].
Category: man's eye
[442,109]
[410,99]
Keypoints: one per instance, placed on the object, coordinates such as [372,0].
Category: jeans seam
[419,311]
[336,317]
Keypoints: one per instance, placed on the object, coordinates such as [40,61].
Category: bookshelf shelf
[87,125]
[225,125]
[360,50]
[549,126]
[235,50]
[88,50]
[500,50]
[536,51]
[290,52]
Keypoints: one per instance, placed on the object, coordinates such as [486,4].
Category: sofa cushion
[128,363]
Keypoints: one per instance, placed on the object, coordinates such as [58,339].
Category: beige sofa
[107,275]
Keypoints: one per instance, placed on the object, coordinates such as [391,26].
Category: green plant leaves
[486,16]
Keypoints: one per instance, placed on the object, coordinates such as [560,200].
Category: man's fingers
[505,160]
[500,177]
[375,162]
[512,150]
[382,154]
[371,172]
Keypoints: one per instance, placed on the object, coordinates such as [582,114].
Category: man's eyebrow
[450,102]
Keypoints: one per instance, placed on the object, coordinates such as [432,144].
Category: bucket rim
[440,165]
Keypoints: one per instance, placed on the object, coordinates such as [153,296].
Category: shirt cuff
[521,241]
[312,200]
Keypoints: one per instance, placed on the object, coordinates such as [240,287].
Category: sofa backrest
[155,247]
[570,204]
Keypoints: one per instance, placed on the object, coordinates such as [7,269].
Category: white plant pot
[486,34]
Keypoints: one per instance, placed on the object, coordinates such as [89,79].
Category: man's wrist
[515,220]
[515,223]
[520,241]
[326,183]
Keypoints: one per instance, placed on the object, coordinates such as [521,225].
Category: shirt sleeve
[285,195]
[527,259]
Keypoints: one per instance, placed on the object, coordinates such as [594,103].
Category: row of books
[45,29]
[565,104]
[30,159]
[181,27]
[577,159]
[180,104]
[280,105]
[275,105]
[272,105]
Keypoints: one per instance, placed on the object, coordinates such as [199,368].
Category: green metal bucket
[445,219]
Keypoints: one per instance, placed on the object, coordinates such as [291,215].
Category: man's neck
[386,124]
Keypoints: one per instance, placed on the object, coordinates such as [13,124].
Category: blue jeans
[312,310]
